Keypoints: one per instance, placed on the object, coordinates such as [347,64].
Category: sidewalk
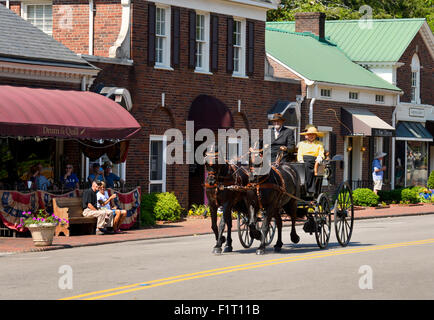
[185,228]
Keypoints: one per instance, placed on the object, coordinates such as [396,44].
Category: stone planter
[42,234]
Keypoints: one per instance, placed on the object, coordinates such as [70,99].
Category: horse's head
[213,167]
[256,160]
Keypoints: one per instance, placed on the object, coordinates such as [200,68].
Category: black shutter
[250,48]
[371,155]
[230,46]
[176,26]
[151,33]
[192,39]
[386,160]
[214,43]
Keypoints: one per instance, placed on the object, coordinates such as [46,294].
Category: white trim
[413,139]
[331,84]
[428,37]
[121,48]
[163,180]
[166,37]
[306,80]
[249,9]
[242,49]
[46,73]
[161,67]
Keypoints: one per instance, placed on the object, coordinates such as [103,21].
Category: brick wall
[71,24]
[418,46]
[313,22]
[181,87]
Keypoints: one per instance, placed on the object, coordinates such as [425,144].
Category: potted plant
[41,226]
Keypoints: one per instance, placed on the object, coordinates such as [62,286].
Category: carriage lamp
[349,149]
[363,149]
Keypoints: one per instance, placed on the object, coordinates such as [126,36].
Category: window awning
[63,114]
[415,131]
[360,122]
[211,113]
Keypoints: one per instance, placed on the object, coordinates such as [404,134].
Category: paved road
[387,259]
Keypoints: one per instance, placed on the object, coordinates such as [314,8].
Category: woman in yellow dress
[311,152]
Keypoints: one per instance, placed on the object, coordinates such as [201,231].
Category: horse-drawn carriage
[260,201]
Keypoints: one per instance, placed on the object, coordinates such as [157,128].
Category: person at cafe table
[69,179]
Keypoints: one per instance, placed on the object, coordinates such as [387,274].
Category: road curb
[287,225]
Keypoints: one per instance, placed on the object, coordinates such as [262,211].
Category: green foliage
[430,183]
[159,206]
[349,9]
[365,197]
[390,196]
[410,195]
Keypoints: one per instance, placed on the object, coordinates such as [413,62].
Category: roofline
[48,62]
[257,3]
[357,20]
[428,37]
[306,80]
[400,92]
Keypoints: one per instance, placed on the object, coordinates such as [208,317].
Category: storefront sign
[382,133]
[416,112]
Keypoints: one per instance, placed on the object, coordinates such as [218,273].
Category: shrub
[147,217]
[167,207]
[410,195]
[390,196]
[431,180]
[159,206]
[198,210]
[365,197]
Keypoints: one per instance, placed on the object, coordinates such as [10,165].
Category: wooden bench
[71,209]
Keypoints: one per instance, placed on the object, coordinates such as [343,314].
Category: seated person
[97,173]
[282,138]
[104,216]
[104,201]
[311,152]
[109,176]
[42,183]
[70,179]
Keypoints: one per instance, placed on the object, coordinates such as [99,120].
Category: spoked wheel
[243,230]
[344,214]
[271,229]
[323,221]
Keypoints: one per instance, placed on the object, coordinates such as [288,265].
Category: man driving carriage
[282,138]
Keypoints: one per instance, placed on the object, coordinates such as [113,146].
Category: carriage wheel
[323,221]
[271,230]
[344,214]
[243,230]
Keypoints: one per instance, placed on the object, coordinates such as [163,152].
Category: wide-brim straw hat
[380,154]
[276,117]
[313,130]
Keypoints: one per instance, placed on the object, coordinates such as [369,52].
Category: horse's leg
[214,227]
[279,243]
[254,233]
[270,211]
[292,207]
[228,217]
[221,228]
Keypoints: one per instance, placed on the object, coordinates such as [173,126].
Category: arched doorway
[207,112]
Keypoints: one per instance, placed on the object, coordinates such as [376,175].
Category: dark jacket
[285,138]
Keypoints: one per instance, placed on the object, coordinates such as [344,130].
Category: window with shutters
[239,45]
[162,37]
[202,42]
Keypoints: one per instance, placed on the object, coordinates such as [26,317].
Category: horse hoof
[227,249]
[277,249]
[295,239]
[217,251]
[223,239]
[260,252]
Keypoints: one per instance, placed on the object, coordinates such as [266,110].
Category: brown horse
[218,192]
[277,189]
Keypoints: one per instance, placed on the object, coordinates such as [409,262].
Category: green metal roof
[319,60]
[386,41]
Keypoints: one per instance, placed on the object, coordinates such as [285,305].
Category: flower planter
[42,233]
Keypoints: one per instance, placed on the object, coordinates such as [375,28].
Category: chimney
[313,22]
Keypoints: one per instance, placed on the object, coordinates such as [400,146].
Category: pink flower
[34,218]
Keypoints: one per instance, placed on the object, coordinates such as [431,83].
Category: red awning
[211,113]
[61,113]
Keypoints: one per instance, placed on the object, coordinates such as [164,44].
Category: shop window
[417,163]
[117,169]
[157,164]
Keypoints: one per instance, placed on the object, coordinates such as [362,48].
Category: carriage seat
[301,171]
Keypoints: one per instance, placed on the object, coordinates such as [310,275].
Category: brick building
[163,58]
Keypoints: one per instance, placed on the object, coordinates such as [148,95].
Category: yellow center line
[248,266]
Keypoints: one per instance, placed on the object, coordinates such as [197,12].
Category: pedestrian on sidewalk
[378,170]
[104,201]
[104,216]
